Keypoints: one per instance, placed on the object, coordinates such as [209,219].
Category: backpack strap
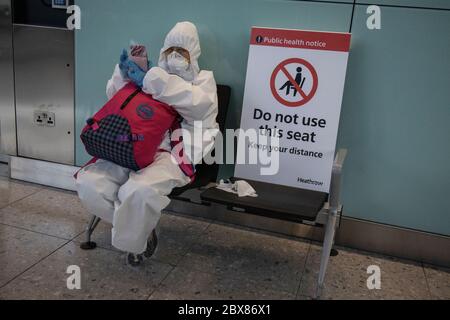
[93,160]
[129,98]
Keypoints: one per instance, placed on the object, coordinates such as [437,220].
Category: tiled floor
[41,229]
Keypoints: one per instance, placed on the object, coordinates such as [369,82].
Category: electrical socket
[44,118]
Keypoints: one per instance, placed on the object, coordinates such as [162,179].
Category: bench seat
[273,201]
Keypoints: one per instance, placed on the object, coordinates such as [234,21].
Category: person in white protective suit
[132,201]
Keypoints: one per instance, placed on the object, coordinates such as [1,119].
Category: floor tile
[212,260]
[438,281]
[21,249]
[4,170]
[13,190]
[227,250]
[49,211]
[188,284]
[176,235]
[347,276]
[104,275]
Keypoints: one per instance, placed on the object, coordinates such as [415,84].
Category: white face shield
[183,35]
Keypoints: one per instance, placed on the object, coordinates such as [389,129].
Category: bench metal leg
[334,211]
[90,245]
[334,252]
[326,251]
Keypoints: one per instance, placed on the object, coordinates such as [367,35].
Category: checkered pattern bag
[129,128]
[106,142]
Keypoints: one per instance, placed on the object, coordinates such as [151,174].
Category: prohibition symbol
[295,83]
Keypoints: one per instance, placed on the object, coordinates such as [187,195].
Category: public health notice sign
[294,88]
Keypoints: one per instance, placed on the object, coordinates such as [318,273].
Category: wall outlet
[50,119]
[44,118]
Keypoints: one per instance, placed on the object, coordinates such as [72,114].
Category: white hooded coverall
[132,201]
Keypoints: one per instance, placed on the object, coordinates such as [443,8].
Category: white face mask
[177,64]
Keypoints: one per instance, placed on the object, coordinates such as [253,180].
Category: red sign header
[330,41]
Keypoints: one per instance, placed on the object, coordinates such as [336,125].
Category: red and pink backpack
[129,128]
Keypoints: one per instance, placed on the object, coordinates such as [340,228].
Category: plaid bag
[129,128]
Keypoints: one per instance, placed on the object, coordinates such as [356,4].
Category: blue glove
[135,73]
[123,64]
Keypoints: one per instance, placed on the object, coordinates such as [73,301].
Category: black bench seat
[273,201]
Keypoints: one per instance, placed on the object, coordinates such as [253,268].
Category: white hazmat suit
[132,201]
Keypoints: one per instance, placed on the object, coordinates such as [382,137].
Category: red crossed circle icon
[303,97]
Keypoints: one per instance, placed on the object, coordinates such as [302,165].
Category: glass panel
[395,120]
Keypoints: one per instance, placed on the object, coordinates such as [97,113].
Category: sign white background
[326,104]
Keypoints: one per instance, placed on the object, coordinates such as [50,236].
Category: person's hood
[183,35]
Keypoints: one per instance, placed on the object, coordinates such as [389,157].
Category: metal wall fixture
[7,104]
[44,82]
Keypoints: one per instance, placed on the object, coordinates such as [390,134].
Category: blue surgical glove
[135,73]
[123,64]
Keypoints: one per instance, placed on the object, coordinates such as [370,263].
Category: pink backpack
[129,128]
